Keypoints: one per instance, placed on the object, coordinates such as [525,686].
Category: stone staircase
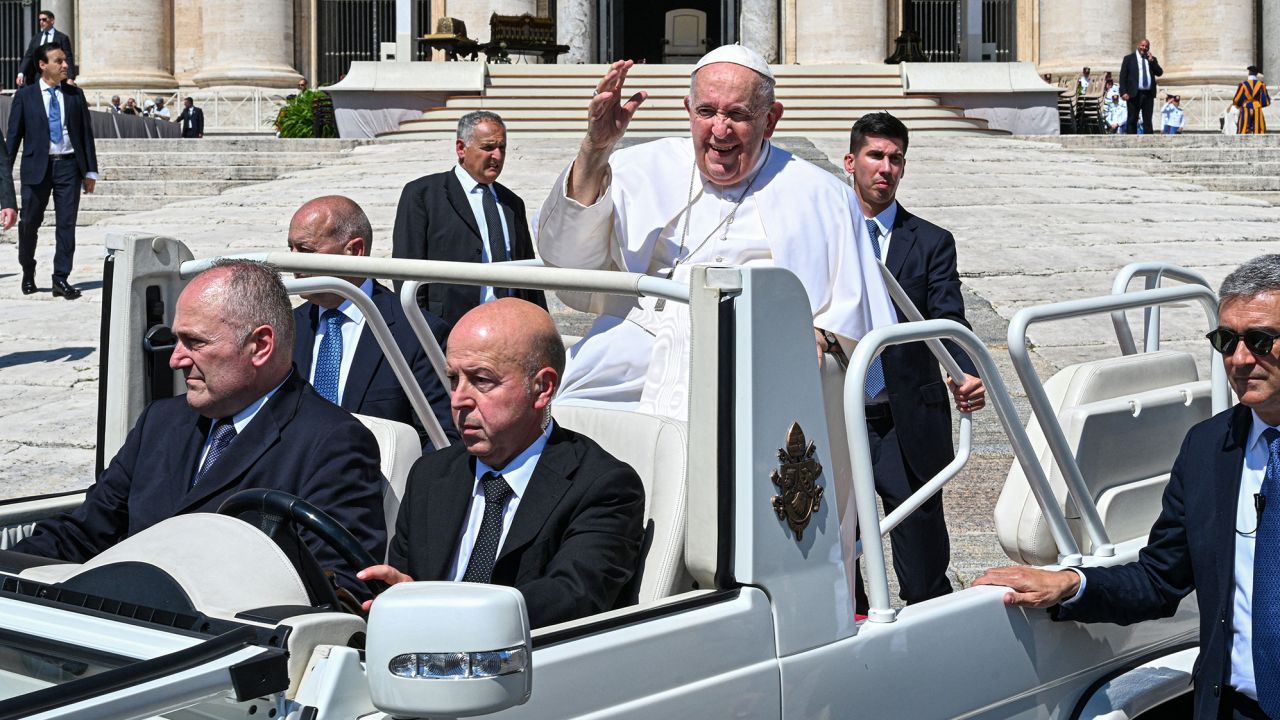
[552,100]
[1246,165]
[146,174]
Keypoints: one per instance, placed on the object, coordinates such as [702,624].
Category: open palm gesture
[608,117]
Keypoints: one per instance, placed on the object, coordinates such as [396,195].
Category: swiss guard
[1251,97]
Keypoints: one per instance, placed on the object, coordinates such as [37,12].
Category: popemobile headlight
[451,649]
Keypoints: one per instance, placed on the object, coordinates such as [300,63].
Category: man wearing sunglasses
[28,69]
[1219,528]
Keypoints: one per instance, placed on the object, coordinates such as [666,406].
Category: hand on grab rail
[970,394]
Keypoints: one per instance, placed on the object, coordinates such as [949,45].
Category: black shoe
[62,288]
[28,284]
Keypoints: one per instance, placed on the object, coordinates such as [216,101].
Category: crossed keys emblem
[797,478]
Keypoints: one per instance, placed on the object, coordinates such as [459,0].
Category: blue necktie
[223,434]
[55,117]
[329,359]
[1266,583]
[485,551]
[875,372]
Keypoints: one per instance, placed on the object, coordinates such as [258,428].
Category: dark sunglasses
[1258,341]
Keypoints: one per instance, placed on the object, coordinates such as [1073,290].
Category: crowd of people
[1127,106]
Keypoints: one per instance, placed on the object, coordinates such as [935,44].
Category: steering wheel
[279,509]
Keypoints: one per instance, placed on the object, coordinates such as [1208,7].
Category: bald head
[518,328]
[331,225]
[505,359]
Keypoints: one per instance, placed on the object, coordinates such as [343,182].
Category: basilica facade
[168,44]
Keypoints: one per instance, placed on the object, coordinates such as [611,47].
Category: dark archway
[636,27]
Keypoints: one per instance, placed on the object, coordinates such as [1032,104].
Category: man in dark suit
[28,69]
[248,420]
[521,501]
[1218,532]
[908,416]
[465,215]
[1138,86]
[361,380]
[49,120]
[192,119]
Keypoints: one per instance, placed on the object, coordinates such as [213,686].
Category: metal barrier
[246,109]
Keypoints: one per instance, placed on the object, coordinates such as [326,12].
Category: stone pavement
[1034,223]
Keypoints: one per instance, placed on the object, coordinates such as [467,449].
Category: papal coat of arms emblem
[797,478]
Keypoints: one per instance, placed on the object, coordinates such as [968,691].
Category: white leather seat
[399,447]
[1125,419]
[656,448]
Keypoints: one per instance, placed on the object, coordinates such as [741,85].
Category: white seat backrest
[656,448]
[686,33]
[1124,419]
[398,447]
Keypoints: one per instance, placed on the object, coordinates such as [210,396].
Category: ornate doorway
[636,29]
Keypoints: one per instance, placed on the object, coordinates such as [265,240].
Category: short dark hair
[42,52]
[877,123]
[46,13]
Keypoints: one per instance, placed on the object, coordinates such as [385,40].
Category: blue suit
[42,175]
[1191,547]
[911,445]
[298,442]
[372,387]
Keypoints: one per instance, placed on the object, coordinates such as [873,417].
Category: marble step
[557,86]
[112,186]
[518,103]
[215,159]
[1234,183]
[595,71]
[809,116]
[1262,169]
[1165,142]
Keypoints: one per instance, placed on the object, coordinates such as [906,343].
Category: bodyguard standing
[28,70]
[908,420]
[50,120]
[192,119]
[1138,73]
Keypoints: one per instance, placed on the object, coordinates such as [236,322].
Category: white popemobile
[744,611]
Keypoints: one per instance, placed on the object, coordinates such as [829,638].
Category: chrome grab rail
[1153,273]
[1042,408]
[860,450]
[374,320]
[409,303]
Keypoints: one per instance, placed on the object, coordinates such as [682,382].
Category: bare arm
[607,121]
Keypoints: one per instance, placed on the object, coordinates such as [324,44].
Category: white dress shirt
[65,147]
[1144,72]
[351,329]
[475,196]
[517,473]
[240,420]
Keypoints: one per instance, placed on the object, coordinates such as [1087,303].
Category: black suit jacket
[29,129]
[922,257]
[1191,547]
[372,387]
[434,222]
[197,122]
[298,442]
[1129,74]
[30,69]
[573,546]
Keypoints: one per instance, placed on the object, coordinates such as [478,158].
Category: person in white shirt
[1172,116]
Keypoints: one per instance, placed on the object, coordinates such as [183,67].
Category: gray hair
[1253,277]
[253,295]
[762,94]
[467,124]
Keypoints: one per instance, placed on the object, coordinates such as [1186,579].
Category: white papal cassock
[787,213]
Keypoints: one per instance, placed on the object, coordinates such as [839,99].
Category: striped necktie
[223,434]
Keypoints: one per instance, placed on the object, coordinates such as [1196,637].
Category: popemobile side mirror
[448,649]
